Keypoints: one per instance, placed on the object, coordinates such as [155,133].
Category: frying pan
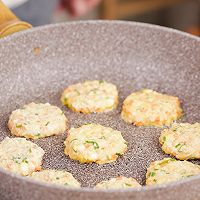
[37,64]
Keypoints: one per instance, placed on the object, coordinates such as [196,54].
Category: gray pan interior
[132,56]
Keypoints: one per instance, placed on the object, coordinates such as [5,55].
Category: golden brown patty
[94,143]
[170,170]
[91,97]
[56,177]
[147,107]
[37,121]
[20,156]
[118,183]
[182,141]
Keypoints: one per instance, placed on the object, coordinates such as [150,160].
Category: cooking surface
[146,59]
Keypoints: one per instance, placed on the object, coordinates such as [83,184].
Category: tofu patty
[150,108]
[36,121]
[20,156]
[170,170]
[91,97]
[94,143]
[182,140]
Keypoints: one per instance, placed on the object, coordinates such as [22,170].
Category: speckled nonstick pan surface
[132,56]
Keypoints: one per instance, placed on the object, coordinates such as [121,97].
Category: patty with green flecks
[182,140]
[120,182]
[20,156]
[170,170]
[91,97]
[37,121]
[150,108]
[59,177]
[94,143]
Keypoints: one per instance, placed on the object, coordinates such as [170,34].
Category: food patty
[56,177]
[147,108]
[94,143]
[91,97]
[37,121]
[170,170]
[20,156]
[120,182]
[182,141]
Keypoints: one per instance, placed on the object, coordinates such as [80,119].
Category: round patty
[91,97]
[182,141]
[170,170]
[94,143]
[147,107]
[118,183]
[37,121]
[56,177]
[20,156]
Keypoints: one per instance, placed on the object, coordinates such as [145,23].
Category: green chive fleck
[108,158]
[72,140]
[190,175]
[57,178]
[164,138]
[118,154]
[94,91]
[18,125]
[25,160]
[16,159]
[47,123]
[66,184]
[75,150]
[152,174]
[65,100]
[166,161]
[85,124]
[95,144]
[127,184]
[179,146]
[77,92]
[101,81]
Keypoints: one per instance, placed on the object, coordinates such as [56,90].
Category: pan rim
[92,190]
[131,23]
